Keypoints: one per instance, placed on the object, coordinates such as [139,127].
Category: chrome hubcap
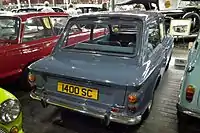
[150,105]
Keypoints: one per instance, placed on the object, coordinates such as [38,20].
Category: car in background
[189,100]
[86,8]
[25,38]
[10,113]
[111,75]
[36,9]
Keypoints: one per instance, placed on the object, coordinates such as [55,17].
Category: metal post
[1,3]
[67,4]
[112,5]
[64,2]
[29,3]
[18,4]
[53,2]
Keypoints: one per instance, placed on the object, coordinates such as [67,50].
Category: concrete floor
[162,118]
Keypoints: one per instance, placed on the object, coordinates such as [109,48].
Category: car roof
[138,14]
[24,16]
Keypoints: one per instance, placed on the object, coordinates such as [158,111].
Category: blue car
[189,101]
[112,74]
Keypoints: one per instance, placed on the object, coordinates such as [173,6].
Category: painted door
[38,40]
[9,48]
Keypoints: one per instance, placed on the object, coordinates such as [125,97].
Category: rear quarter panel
[191,78]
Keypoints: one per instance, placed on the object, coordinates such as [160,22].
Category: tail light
[190,90]
[115,109]
[132,100]
[32,80]
[31,77]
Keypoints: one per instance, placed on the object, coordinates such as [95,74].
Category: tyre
[149,108]
[183,121]
[147,111]
[23,81]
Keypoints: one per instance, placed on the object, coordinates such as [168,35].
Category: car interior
[117,37]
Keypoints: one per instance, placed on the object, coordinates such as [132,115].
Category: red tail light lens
[115,110]
[190,90]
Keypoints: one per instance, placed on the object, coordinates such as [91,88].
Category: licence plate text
[78,90]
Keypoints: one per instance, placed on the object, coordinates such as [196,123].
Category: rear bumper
[103,114]
[187,111]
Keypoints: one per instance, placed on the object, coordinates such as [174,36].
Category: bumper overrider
[106,115]
[187,111]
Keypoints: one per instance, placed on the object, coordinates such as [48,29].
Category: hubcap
[150,105]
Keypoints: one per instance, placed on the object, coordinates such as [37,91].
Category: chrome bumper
[187,111]
[107,116]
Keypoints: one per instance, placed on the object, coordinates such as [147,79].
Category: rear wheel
[183,121]
[148,110]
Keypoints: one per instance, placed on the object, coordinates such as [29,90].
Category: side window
[58,24]
[75,29]
[37,28]
[154,35]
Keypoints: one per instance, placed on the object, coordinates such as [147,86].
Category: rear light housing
[31,77]
[132,102]
[190,90]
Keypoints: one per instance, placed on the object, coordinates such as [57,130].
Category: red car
[28,37]
[25,38]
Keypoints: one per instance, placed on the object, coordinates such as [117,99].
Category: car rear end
[108,100]
[9,34]
[100,83]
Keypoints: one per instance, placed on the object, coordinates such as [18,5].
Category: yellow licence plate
[78,90]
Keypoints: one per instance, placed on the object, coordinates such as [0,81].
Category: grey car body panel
[114,76]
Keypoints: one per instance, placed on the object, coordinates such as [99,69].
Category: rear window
[58,23]
[108,36]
